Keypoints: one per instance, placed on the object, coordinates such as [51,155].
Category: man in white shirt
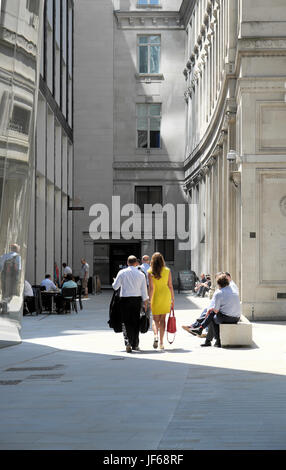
[133,290]
[212,303]
[67,269]
[226,309]
[84,275]
[48,283]
[28,291]
[49,287]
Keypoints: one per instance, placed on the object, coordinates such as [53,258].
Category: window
[148,2]
[148,125]
[58,23]
[149,54]
[33,6]
[50,14]
[20,121]
[148,195]
[166,248]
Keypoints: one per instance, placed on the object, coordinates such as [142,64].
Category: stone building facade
[129,125]
[235,160]
[219,81]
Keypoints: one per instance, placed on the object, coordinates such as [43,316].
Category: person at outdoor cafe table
[68,283]
[49,287]
[49,284]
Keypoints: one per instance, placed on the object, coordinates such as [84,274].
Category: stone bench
[239,334]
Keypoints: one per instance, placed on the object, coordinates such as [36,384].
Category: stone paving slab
[70,385]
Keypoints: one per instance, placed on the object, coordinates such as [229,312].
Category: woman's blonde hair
[157,264]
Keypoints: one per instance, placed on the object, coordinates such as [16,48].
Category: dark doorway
[118,256]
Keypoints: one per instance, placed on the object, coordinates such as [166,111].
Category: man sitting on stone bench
[226,309]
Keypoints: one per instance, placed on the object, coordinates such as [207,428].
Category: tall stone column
[230,196]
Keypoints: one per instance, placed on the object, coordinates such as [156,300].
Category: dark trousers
[130,308]
[29,305]
[213,320]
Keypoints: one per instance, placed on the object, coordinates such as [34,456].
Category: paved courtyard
[70,385]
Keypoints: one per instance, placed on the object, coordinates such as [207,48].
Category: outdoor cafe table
[51,294]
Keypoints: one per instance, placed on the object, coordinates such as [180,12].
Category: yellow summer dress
[161,300]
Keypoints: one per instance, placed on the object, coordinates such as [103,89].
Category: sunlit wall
[20,33]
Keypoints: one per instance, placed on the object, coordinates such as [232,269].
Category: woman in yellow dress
[161,294]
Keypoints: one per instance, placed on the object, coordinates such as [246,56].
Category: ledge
[147,77]
[148,165]
[149,7]
[148,19]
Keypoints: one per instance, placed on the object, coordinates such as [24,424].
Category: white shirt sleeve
[144,293]
[117,283]
[217,300]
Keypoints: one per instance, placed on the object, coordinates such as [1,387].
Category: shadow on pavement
[57,399]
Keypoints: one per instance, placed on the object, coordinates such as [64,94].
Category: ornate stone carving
[149,19]
[205,170]
[189,64]
[22,42]
[230,116]
[211,161]
[235,177]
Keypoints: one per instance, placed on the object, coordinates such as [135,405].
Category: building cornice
[148,19]
[224,113]
[148,166]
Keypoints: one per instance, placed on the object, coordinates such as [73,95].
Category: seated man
[211,305]
[202,316]
[48,283]
[226,310]
[205,287]
[199,285]
[49,286]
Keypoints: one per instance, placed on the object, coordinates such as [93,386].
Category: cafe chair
[37,290]
[29,306]
[69,298]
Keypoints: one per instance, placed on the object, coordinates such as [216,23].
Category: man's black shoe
[207,343]
[217,344]
[196,331]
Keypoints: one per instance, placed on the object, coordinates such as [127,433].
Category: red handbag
[171,325]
